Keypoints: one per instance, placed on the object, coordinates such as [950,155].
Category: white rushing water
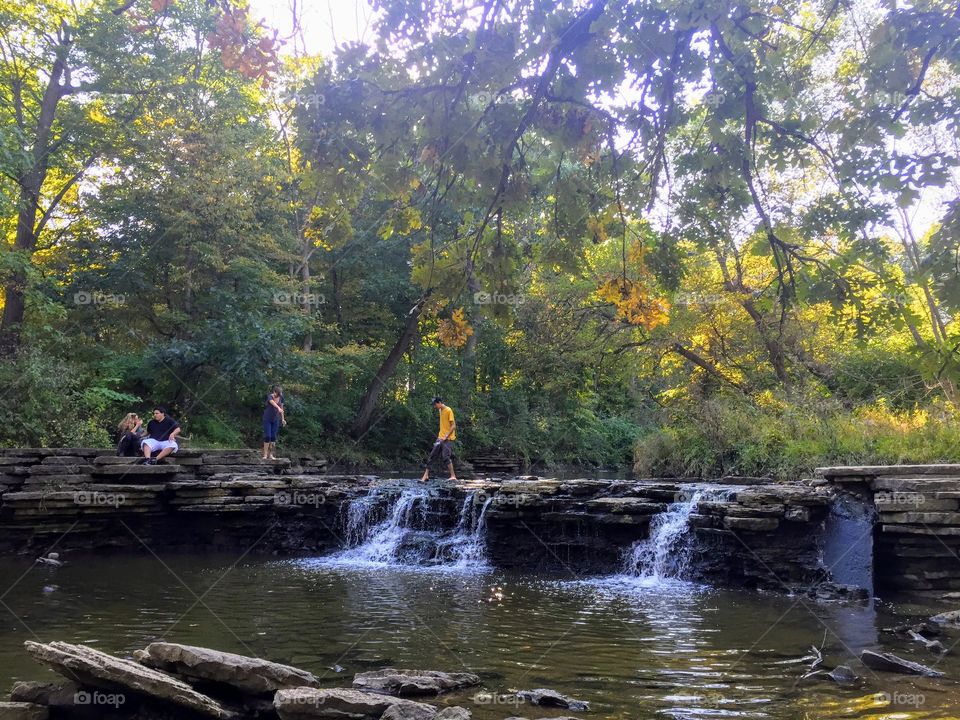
[409,537]
[666,551]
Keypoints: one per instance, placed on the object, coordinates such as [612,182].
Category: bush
[51,402]
[728,435]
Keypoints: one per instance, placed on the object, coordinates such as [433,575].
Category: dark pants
[271,428]
[443,449]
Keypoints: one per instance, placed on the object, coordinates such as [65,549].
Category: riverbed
[632,647]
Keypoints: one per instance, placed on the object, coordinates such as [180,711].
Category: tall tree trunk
[306,305]
[31,183]
[364,417]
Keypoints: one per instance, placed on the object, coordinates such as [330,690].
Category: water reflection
[632,647]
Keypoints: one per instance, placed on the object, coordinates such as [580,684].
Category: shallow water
[632,648]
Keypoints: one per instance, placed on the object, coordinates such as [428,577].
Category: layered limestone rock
[250,675]
[99,670]
[917,535]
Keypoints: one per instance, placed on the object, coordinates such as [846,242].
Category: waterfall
[468,544]
[380,543]
[666,551]
[415,531]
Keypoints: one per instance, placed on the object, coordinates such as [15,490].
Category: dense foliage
[702,236]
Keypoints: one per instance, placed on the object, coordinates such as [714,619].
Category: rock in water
[400,712]
[22,711]
[951,618]
[302,703]
[454,713]
[842,675]
[247,674]
[551,698]
[88,666]
[888,662]
[409,683]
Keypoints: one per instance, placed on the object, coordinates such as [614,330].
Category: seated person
[129,434]
[162,434]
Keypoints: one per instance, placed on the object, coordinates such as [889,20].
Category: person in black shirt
[162,434]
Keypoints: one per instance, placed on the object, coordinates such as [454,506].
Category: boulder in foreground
[888,662]
[410,683]
[97,669]
[551,698]
[301,703]
[247,674]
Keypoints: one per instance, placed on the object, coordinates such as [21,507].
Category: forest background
[696,237]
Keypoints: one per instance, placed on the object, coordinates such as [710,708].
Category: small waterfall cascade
[414,527]
[665,553]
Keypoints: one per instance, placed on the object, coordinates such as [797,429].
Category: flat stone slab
[877,470]
[751,524]
[626,505]
[300,703]
[888,662]
[551,698]
[244,673]
[89,666]
[409,683]
[133,470]
[951,618]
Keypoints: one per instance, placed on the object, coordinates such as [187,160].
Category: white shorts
[156,445]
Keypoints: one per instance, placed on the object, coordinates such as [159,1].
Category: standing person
[162,434]
[444,444]
[273,417]
[129,435]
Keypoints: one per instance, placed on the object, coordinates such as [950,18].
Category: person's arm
[174,433]
[279,407]
[453,426]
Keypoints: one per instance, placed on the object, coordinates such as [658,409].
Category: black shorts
[443,449]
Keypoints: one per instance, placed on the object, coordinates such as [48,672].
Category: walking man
[444,444]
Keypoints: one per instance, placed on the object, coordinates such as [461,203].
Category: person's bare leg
[146,451]
[453,475]
[164,453]
[266,450]
[273,449]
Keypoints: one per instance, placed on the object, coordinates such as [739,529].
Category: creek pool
[633,649]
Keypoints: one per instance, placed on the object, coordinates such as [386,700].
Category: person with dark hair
[162,434]
[273,416]
[129,434]
[443,447]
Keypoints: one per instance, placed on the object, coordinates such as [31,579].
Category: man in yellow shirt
[444,444]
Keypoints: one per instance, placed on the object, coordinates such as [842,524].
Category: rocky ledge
[167,680]
[916,514]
